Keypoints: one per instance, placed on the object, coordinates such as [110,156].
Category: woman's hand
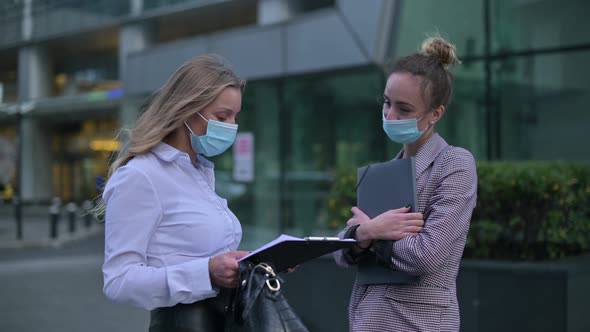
[359,218]
[391,225]
[223,269]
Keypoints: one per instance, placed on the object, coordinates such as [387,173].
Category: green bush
[525,210]
[342,197]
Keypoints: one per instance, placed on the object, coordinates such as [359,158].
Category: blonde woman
[170,241]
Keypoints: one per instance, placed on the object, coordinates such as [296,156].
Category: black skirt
[208,315]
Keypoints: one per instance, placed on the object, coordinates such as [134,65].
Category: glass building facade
[520,94]
[521,88]
[305,128]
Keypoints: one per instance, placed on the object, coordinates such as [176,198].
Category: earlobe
[438,113]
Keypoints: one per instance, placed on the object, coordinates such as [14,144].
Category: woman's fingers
[359,214]
[359,217]
[223,268]
[400,210]
[395,230]
[413,229]
[352,222]
[414,222]
[404,216]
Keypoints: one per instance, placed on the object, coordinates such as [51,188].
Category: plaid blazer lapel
[424,158]
[428,152]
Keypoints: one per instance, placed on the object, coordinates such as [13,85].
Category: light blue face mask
[403,131]
[219,137]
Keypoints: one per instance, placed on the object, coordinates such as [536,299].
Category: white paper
[285,237]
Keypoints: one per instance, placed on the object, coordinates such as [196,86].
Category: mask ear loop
[429,123]
[189,128]
[202,117]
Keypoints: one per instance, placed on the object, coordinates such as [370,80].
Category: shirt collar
[427,152]
[205,162]
[166,152]
[169,153]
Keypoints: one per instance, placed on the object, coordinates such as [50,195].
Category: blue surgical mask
[403,131]
[219,137]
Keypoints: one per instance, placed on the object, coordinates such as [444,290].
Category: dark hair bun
[445,52]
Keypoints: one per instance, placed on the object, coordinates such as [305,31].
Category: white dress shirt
[163,223]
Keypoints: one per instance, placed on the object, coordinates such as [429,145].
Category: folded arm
[449,215]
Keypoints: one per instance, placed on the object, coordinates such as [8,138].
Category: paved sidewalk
[37,231]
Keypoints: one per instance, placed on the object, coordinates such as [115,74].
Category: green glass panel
[542,103]
[464,122]
[335,121]
[256,203]
[523,25]
[460,21]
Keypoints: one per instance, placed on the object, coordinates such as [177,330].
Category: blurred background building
[73,72]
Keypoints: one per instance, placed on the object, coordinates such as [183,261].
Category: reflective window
[8,151]
[304,129]
[542,104]
[465,123]
[10,21]
[334,120]
[460,21]
[8,86]
[256,203]
[513,116]
[524,25]
[88,73]
[52,17]
[81,153]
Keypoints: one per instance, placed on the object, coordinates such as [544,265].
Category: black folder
[382,187]
[288,251]
[385,186]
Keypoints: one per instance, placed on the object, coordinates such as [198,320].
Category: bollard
[87,206]
[18,214]
[56,201]
[53,221]
[71,209]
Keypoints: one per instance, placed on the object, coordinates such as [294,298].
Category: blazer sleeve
[344,257]
[449,214]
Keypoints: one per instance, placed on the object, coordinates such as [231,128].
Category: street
[49,289]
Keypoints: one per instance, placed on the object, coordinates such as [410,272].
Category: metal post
[87,206]
[491,116]
[18,179]
[71,209]
[284,151]
[53,221]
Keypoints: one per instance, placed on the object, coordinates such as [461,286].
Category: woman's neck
[410,150]
[181,141]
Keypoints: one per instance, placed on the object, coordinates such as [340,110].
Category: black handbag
[259,305]
[209,315]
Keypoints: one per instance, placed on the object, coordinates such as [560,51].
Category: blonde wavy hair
[195,85]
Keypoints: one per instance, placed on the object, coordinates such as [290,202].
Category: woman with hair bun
[418,91]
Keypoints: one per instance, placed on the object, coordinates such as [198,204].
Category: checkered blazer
[446,197]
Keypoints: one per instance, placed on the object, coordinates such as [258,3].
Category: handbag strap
[253,279]
[272,282]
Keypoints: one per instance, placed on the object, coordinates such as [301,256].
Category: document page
[287,251]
